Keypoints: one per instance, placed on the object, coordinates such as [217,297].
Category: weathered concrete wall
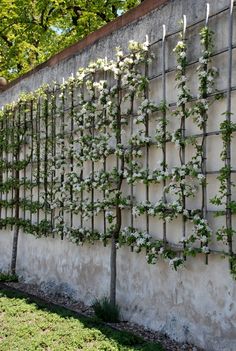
[195,304]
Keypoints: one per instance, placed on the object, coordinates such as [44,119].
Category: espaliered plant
[56,143]
[224,234]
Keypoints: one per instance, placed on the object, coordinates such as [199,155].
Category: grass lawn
[29,324]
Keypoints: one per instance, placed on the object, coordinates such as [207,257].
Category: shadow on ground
[124,339]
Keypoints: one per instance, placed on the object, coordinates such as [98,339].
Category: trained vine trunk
[115,233]
[16,230]
[113,260]
[113,271]
[17,198]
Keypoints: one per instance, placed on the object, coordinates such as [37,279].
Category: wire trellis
[52,120]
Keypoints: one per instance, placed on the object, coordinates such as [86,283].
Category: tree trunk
[113,270]
[16,230]
[17,198]
[14,249]
[115,234]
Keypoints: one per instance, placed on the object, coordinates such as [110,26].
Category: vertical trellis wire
[204,141]
[17,124]
[146,95]
[72,147]
[10,160]
[183,135]
[92,163]
[24,128]
[131,185]
[17,191]
[53,155]
[1,158]
[119,166]
[38,132]
[104,164]
[81,165]
[46,99]
[14,131]
[32,156]
[228,117]
[164,121]
[104,196]
[6,158]
[62,138]
[3,154]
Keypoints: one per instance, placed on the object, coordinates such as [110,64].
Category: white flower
[175,260]
[204,239]
[201,177]
[119,52]
[108,214]
[154,260]
[179,209]
[210,79]
[182,54]
[203,60]
[205,249]
[185,213]
[140,241]
[139,153]
[135,211]
[151,211]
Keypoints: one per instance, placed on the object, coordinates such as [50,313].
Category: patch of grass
[7,277]
[106,311]
[28,324]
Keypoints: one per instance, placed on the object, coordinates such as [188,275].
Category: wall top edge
[131,16]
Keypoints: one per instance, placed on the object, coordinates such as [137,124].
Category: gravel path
[82,309]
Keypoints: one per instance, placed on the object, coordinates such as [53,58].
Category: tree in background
[33,30]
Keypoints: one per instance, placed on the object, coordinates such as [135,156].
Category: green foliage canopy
[33,30]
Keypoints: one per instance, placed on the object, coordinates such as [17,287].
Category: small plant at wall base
[8,277]
[106,310]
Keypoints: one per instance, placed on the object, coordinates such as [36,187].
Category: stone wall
[197,303]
